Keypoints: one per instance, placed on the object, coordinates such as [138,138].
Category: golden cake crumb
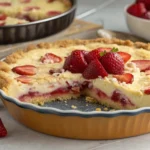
[98,109]
[90,99]
[73,107]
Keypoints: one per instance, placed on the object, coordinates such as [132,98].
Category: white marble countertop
[110,12]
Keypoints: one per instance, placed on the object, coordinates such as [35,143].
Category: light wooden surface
[110,13]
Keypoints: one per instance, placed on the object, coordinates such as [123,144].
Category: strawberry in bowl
[138,18]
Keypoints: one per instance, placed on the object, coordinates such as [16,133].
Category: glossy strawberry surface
[94,69]
[113,63]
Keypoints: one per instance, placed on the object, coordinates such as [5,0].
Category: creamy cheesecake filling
[51,91]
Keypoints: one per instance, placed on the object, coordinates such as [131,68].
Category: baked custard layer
[50,81]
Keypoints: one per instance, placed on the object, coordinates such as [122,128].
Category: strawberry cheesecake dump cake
[24,11]
[114,72]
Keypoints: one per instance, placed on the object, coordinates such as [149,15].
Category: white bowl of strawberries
[138,18]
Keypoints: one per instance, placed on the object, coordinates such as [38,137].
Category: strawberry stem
[102,53]
[114,49]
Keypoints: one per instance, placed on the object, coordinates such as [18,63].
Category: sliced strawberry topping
[53,13]
[125,56]
[143,65]
[3,16]
[5,4]
[3,131]
[76,62]
[127,78]
[25,17]
[117,96]
[24,79]
[137,10]
[95,54]
[25,70]
[51,58]
[30,8]
[25,1]
[94,69]
[113,63]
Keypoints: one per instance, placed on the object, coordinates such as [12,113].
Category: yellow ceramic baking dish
[79,124]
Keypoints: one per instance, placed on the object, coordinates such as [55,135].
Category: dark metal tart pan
[37,29]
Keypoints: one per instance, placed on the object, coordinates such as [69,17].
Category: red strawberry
[3,131]
[147,91]
[24,79]
[53,13]
[51,58]
[25,70]
[125,56]
[76,62]
[143,65]
[146,15]
[25,1]
[95,54]
[137,10]
[117,96]
[3,16]
[30,8]
[94,69]
[113,63]
[5,4]
[127,78]
[26,17]
[146,2]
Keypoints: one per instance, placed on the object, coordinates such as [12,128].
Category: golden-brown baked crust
[4,66]
[5,81]
[65,43]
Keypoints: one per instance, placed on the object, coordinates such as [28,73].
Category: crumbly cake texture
[24,11]
[43,80]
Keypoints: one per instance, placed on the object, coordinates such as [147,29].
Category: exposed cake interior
[51,82]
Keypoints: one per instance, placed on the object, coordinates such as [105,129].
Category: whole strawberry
[113,63]
[3,131]
[76,62]
[137,10]
[94,70]
[146,2]
[95,54]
